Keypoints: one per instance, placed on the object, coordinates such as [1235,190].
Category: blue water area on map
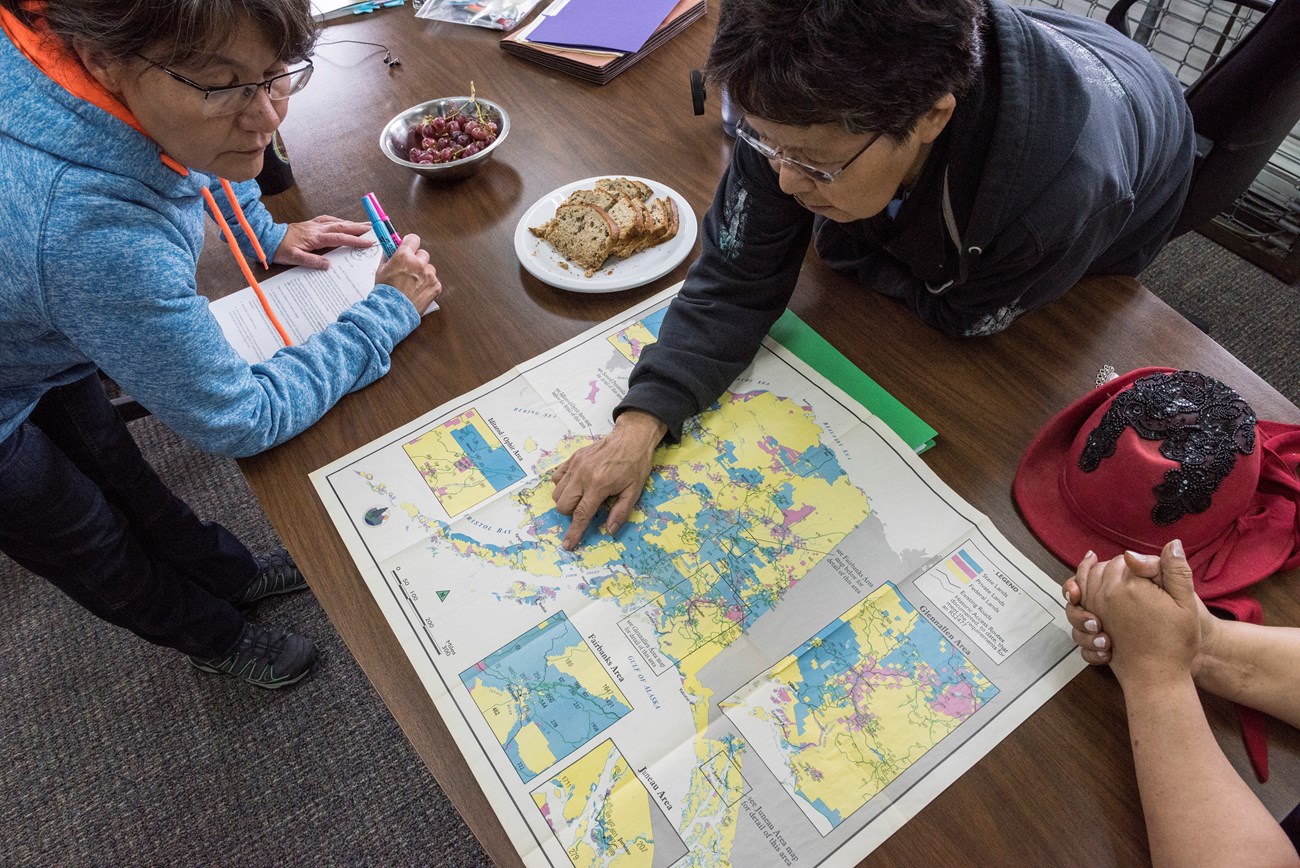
[827,811]
[567,714]
[971,562]
[819,462]
[497,465]
[655,320]
[745,475]
[784,496]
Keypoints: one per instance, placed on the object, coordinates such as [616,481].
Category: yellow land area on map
[584,668]
[499,709]
[631,340]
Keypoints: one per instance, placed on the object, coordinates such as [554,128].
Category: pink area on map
[456,421]
[793,516]
[957,701]
[595,390]
[960,563]
[782,456]
[735,613]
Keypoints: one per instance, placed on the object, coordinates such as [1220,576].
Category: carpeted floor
[1250,313]
[115,752]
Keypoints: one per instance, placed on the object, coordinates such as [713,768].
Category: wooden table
[1061,789]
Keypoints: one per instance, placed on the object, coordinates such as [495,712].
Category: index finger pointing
[582,516]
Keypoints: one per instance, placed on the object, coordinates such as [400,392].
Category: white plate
[543,261]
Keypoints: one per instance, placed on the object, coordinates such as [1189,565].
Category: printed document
[798,640]
[306,300]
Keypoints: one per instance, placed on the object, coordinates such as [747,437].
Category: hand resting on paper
[319,233]
[411,272]
[617,465]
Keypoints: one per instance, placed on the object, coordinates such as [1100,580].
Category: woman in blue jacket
[122,124]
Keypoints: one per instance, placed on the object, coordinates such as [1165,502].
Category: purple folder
[607,25]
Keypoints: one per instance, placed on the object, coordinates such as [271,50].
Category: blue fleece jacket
[100,244]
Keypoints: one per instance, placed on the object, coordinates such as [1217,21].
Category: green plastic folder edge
[799,338]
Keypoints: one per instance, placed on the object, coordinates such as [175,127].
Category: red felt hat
[1159,454]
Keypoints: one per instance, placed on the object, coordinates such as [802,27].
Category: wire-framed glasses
[746,134]
[218,101]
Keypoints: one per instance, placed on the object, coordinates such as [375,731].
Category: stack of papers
[595,40]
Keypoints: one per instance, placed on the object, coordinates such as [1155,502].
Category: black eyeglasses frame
[266,84]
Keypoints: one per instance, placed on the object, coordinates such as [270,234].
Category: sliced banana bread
[633,221]
[636,189]
[604,198]
[583,233]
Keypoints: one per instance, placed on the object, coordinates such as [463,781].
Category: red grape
[435,139]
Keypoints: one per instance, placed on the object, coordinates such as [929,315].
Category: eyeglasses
[218,101]
[749,137]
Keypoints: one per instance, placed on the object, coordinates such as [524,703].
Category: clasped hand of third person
[1141,615]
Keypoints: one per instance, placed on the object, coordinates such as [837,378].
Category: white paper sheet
[306,300]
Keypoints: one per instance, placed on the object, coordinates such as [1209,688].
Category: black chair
[1243,104]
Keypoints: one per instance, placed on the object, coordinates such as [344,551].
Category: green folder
[799,338]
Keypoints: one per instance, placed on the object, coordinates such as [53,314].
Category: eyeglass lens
[228,101]
[749,137]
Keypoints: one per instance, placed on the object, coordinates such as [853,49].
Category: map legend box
[983,601]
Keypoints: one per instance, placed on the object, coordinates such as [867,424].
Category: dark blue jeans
[81,507]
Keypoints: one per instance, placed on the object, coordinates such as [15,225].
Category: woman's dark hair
[181,30]
[865,65]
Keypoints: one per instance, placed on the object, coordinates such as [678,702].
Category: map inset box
[544,695]
[722,772]
[463,462]
[856,705]
[603,815]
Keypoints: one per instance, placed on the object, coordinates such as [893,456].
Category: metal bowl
[393,141]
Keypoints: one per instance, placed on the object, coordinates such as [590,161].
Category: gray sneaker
[264,656]
[276,574]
